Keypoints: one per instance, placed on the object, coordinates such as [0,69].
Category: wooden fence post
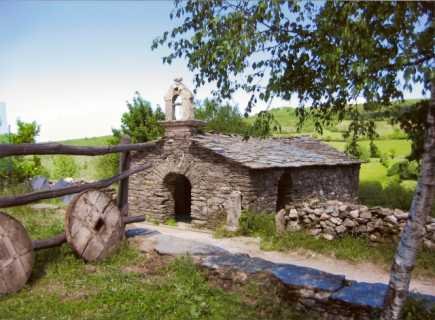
[124,164]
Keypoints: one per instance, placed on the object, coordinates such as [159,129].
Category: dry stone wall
[331,219]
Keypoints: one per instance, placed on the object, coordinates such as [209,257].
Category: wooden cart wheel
[93,225]
[16,255]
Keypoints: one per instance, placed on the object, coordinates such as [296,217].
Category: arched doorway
[181,192]
[284,192]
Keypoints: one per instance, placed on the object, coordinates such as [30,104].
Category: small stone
[392,219]
[349,223]
[340,229]
[280,222]
[324,216]
[370,226]
[328,236]
[430,227]
[329,210]
[315,231]
[293,226]
[366,215]
[372,237]
[293,214]
[336,221]
[429,244]
[354,214]
[318,212]
[399,214]
[343,208]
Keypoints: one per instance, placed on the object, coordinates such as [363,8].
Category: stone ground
[183,240]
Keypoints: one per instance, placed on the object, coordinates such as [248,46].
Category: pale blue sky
[72,65]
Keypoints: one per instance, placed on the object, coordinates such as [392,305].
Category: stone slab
[240,262]
[176,246]
[362,294]
[308,278]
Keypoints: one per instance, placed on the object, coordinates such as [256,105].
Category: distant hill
[288,120]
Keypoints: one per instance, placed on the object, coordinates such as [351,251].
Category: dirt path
[365,272]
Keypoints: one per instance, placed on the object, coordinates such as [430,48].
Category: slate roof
[274,152]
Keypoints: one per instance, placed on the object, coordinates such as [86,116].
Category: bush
[385,160]
[404,169]
[64,166]
[107,166]
[258,224]
[358,151]
[18,169]
[374,150]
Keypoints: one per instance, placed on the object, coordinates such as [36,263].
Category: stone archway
[180,196]
[179,91]
[284,191]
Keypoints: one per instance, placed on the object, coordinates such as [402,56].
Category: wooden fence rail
[56,148]
[11,201]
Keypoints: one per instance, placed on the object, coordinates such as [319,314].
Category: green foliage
[107,165]
[224,119]
[392,195]
[374,150]
[18,169]
[404,169]
[412,120]
[64,167]
[356,150]
[264,125]
[385,160]
[171,222]
[279,49]
[140,122]
[417,310]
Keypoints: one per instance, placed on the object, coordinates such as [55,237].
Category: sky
[71,66]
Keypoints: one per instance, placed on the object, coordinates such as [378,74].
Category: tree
[327,54]
[227,119]
[18,169]
[140,122]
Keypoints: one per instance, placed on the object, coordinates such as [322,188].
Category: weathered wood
[124,165]
[93,225]
[133,219]
[16,255]
[56,148]
[12,201]
[55,241]
[60,239]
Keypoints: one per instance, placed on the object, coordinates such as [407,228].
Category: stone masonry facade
[268,173]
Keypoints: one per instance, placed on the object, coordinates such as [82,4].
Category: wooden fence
[125,147]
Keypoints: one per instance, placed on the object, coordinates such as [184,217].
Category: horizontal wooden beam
[49,243]
[57,148]
[11,201]
[60,239]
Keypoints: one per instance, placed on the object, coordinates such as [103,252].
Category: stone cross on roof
[178,89]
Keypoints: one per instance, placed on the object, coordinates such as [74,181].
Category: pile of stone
[331,219]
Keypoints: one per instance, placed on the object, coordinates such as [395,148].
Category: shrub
[385,160]
[404,169]
[259,224]
[374,150]
[18,169]
[358,151]
[107,166]
[64,166]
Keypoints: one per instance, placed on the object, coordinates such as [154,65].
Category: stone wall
[329,219]
[213,178]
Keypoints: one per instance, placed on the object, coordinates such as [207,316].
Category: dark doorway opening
[181,191]
[284,191]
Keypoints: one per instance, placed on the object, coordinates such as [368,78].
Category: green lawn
[129,285]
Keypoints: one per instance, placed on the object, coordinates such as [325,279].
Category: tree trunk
[413,232]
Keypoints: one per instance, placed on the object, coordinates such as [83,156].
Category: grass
[354,249]
[129,285]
